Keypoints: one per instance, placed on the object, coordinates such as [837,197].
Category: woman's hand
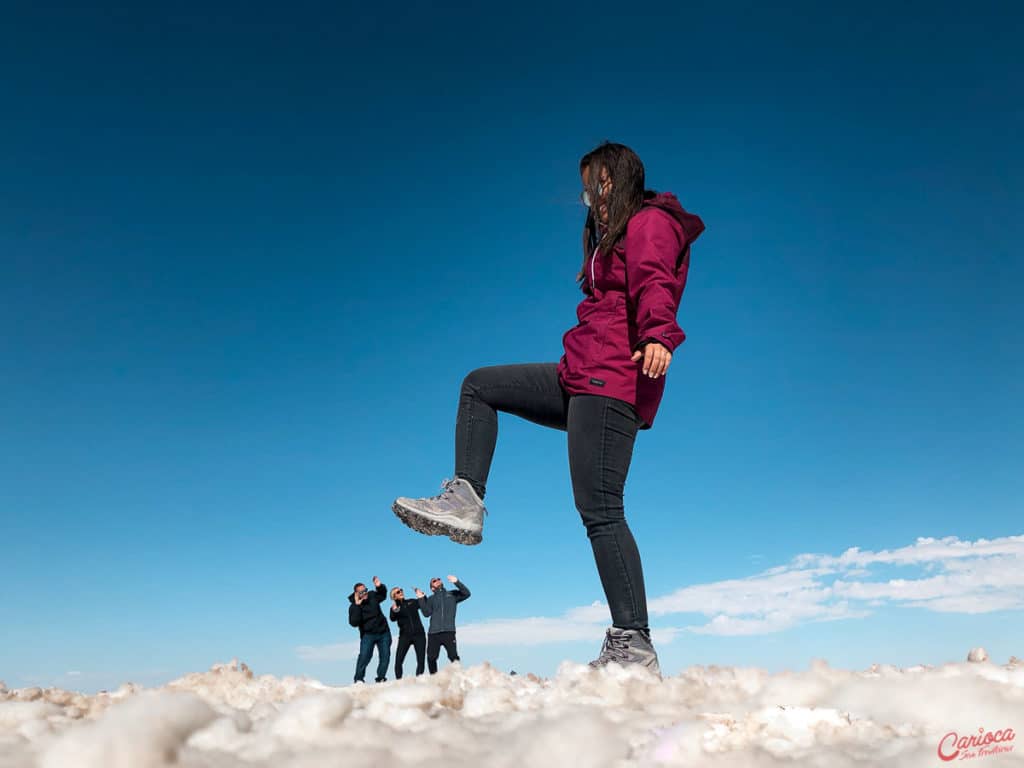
[656,359]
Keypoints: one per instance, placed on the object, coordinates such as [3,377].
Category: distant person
[607,386]
[406,614]
[364,613]
[440,607]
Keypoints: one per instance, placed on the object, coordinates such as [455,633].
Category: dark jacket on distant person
[368,616]
[440,607]
[407,617]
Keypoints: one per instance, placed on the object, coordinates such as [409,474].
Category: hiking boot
[457,512]
[628,646]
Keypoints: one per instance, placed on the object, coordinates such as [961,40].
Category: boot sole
[431,527]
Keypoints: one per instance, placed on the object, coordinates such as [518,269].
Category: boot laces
[615,648]
[447,489]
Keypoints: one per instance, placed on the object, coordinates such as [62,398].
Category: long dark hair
[625,198]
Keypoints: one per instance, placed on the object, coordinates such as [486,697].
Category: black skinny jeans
[418,643]
[601,432]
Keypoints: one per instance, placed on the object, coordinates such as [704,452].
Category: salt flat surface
[477,716]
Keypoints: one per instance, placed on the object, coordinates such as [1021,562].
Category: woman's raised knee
[473,381]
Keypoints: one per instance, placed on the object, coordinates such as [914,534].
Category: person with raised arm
[364,613]
[440,606]
[406,614]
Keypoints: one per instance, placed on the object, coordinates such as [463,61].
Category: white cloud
[595,613]
[956,577]
[665,635]
[924,550]
[730,625]
[979,584]
[972,603]
[775,621]
[334,652]
[535,630]
[754,595]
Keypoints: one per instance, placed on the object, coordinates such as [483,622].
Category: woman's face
[606,188]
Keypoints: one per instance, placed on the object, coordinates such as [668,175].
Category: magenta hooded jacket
[632,296]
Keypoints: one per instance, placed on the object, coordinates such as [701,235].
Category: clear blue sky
[249,250]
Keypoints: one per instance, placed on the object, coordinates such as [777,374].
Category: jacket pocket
[605,327]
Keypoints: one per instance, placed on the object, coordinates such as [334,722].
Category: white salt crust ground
[477,716]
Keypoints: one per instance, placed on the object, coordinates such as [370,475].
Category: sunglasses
[361,592]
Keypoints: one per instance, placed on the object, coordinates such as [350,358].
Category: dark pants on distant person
[601,431]
[419,644]
[434,642]
[382,642]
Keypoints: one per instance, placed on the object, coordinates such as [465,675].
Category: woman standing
[406,614]
[605,388]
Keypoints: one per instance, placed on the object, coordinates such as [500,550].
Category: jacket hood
[666,201]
